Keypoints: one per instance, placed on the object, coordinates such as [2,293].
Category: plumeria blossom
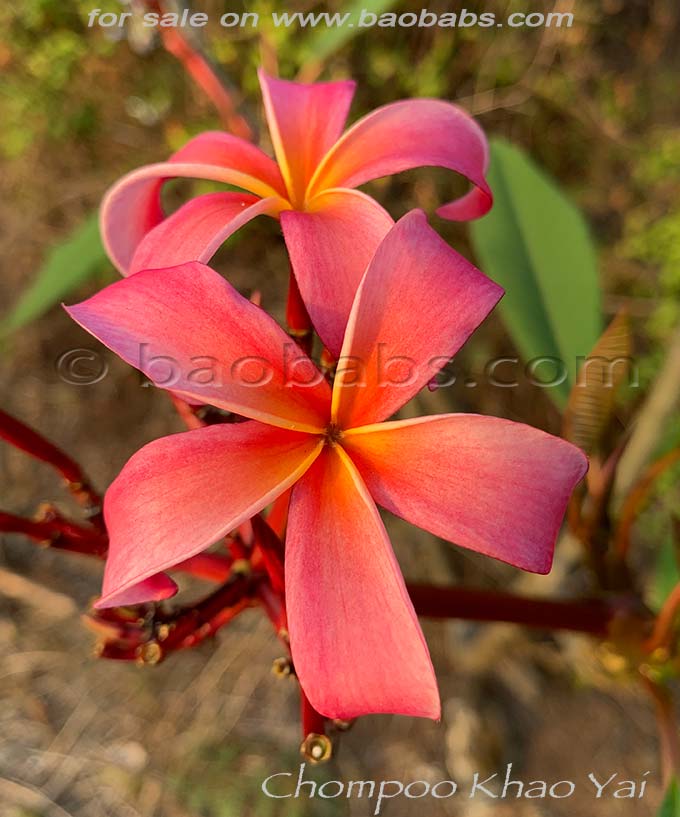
[310,187]
[491,485]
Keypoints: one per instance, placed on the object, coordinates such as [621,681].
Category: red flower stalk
[26,439]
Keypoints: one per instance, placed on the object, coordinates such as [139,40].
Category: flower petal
[356,642]
[155,588]
[304,121]
[180,494]
[197,230]
[189,331]
[404,135]
[494,486]
[329,250]
[132,206]
[417,304]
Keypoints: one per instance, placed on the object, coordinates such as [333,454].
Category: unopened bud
[342,726]
[149,654]
[241,567]
[282,667]
[316,748]
[284,635]
[163,631]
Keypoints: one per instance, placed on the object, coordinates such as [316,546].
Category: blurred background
[596,106]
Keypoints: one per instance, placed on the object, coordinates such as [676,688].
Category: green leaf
[666,574]
[671,803]
[326,40]
[535,243]
[66,267]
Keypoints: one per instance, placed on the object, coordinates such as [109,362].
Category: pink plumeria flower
[311,189]
[491,485]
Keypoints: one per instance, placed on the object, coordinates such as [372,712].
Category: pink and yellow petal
[356,643]
[180,494]
[190,332]
[330,248]
[132,206]
[409,134]
[494,486]
[304,120]
[417,304]
[197,230]
[156,588]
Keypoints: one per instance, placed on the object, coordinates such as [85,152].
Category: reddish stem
[664,626]
[211,567]
[277,517]
[590,616]
[636,499]
[186,412]
[271,551]
[297,318]
[667,728]
[62,534]
[32,443]
[148,634]
[117,652]
[57,533]
[274,606]
[313,723]
[203,74]
[587,616]
[316,745]
[187,627]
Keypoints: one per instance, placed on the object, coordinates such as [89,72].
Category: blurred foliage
[666,574]
[323,42]
[659,525]
[650,240]
[230,785]
[651,235]
[43,46]
[71,263]
[659,531]
[671,803]
[535,243]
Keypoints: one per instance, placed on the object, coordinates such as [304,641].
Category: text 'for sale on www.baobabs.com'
[363,19]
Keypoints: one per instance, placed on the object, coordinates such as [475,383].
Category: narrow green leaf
[66,267]
[666,574]
[326,40]
[671,803]
[535,243]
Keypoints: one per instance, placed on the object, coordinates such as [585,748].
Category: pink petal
[304,121]
[180,494]
[197,230]
[329,249]
[132,206]
[404,135]
[494,486]
[417,304]
[155,588]
[355,638]
[215,346]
